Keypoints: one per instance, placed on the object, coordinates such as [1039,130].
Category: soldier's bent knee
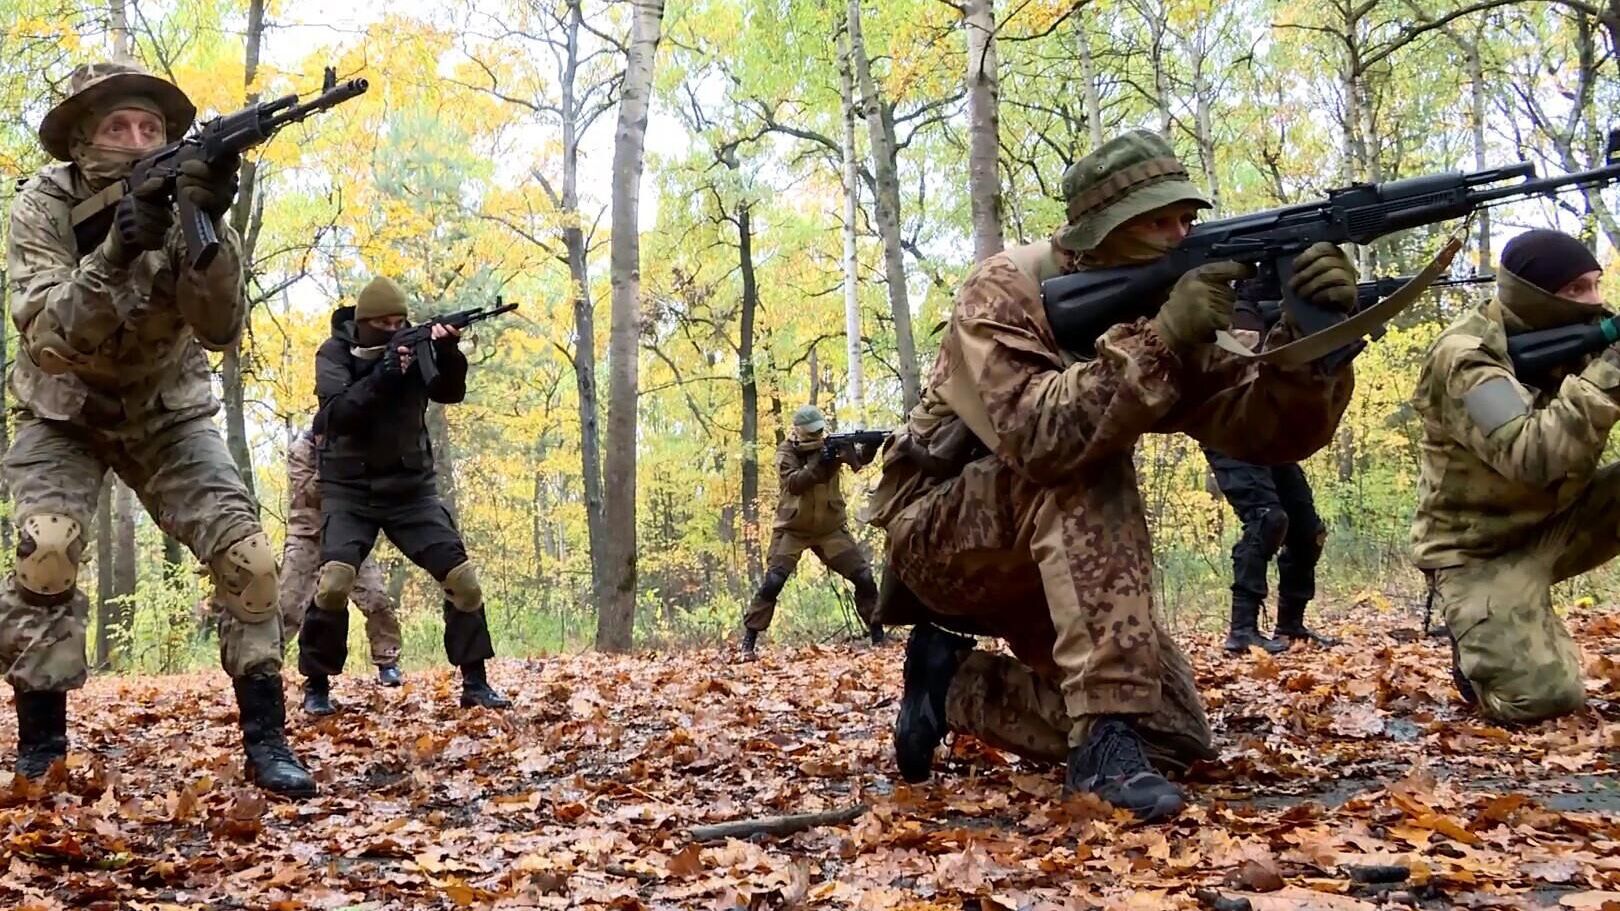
[462,590]
[1273,529]
[245,578]
[333,587]
[775,580]
[48,549]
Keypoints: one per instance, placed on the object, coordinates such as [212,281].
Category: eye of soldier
[131,128]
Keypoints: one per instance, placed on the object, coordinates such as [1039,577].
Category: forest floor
[1336,763]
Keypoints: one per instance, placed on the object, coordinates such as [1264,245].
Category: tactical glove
[141,221]
[210,189]
[1200,303]
[1324,276]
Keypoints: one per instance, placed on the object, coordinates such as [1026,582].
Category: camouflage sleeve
[301,487]
[60,303]
[213,300]
[1053,420]
[1488,411]
[796,471]
[1257,412]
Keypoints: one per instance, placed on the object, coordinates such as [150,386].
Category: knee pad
[462,590]
[1273,529]
[775,580]
[245,578]
[48,549]
[333,587]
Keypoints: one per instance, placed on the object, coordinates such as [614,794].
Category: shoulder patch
[1493,403]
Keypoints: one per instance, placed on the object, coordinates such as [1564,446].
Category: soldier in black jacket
[376,473]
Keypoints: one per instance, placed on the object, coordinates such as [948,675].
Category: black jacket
[375,423]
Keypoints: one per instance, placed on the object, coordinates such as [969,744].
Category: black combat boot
[476,691]
[1246,629]
[270,761]
[1291,624]
[41,731]
[318,695]
[1465,687]
[876,634]
[389,675]
[750,642]
[1113,765]
[932,657]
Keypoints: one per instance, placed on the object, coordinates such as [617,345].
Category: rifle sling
[1320,344]
[88,209]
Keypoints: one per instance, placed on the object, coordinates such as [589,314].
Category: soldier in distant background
[810,516]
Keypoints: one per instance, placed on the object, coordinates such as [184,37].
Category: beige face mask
[1120,248]
[101,165]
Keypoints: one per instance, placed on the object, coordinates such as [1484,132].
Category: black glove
[392,369]
[141,221]
[210,189]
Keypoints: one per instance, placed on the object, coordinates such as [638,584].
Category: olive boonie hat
[92,86]
[1124,177]
[809,419]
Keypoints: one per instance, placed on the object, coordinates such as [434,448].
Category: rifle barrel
[1606,174]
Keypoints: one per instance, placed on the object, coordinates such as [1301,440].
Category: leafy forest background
[816,179]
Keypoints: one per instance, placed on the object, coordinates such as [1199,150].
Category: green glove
[1324,276]
[1200,304]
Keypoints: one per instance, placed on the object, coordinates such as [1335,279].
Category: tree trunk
[1088,79]
[5,411]
[1476,80]
[880,123]
[106,641]
[814,369]
[750,391]
[984,136]
[444,457]
[1204,123]
[118,27]
[573,235]
[615,620]
[231,377]
[125,569]
[855,386]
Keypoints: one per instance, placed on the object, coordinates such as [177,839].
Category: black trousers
[1279,520]
[422,529]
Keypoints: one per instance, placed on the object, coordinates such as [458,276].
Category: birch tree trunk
[1088,79]
[855,385]
[880,123]
[984,135]
[615,619]
[231,376]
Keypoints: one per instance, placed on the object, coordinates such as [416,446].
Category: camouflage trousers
[1063,576]
[180,470]
[300,571]
[838,551]
[1521,660]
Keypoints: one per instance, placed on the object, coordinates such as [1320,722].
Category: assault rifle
[218,139]
[1537,353]
[835,443]
[419,338]
[1083,305]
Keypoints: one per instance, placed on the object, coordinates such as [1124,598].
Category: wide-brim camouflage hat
[1125,177]
[93,87]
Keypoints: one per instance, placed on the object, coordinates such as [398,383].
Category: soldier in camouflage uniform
[810,516]
[1011,501]
[111,373]
[301,565]
[1510,495]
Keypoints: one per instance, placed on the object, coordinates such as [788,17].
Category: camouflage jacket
[1498,457]
[1052,418]
[103,344]
[303,489]
[812,499]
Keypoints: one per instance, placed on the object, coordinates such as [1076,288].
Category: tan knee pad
[245,578]
[462,589]
[333,587]
[48,549]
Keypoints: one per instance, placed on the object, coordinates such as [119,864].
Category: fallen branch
[776,825]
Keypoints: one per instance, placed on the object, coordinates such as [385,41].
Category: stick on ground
[776,825]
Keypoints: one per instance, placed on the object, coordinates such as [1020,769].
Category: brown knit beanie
[380,297]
